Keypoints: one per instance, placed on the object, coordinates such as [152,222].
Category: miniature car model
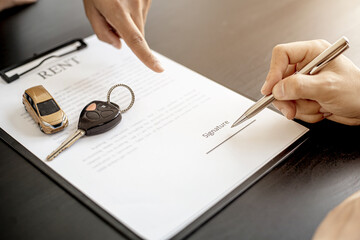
[44,110]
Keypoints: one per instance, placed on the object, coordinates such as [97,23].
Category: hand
[342,222]
[115,19]
[333,93]
[12,3]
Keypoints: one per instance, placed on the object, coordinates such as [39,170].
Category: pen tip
[240,120]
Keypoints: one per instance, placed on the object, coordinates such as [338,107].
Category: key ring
[125,86]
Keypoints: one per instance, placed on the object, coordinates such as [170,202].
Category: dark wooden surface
[229,41]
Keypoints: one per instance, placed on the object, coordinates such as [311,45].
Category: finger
[103,30]
[304,110]
[139,22]
[20,2]
[330,228]
[287,108]
[112,29]
[353,197]
[138,15]
[146,6]
[9,4]
[300,86]
[299,53]
[307,107]
[291,69]
[312,118]
[344,120]
[136,42]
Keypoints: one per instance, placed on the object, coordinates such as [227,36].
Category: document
[174,154]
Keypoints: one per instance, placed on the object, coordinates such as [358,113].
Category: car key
[96,117]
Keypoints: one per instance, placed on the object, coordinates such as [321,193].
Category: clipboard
[95,208]
[78,43]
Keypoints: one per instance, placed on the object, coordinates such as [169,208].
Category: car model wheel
[41,129]
[24,106]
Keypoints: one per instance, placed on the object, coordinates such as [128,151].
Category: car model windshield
[48,107]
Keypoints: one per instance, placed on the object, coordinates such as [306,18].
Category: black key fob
[99,117]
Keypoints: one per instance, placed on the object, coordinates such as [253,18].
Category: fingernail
[322,110]
[158,67]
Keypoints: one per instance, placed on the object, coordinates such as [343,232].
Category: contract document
[173,156]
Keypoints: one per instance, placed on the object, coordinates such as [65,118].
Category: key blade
[67,143]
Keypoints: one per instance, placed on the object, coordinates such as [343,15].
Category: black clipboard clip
[78,45]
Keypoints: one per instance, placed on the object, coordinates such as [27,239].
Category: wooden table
[230,42]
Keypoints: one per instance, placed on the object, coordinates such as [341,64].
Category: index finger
[136,42]
[283,55]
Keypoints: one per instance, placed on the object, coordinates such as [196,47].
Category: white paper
[162,166]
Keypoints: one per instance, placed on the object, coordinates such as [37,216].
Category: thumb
[298,86]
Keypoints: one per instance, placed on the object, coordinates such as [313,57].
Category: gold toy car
[44,110]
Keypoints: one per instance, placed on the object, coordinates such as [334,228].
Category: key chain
[96,117]
[125,86]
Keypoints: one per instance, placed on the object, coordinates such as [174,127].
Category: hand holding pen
[332,92]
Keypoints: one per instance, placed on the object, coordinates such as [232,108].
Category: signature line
[230,137]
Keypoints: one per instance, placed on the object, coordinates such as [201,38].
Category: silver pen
[311,68]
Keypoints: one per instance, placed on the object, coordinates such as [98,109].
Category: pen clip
[321,65]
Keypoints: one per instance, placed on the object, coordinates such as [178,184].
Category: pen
[311,68]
